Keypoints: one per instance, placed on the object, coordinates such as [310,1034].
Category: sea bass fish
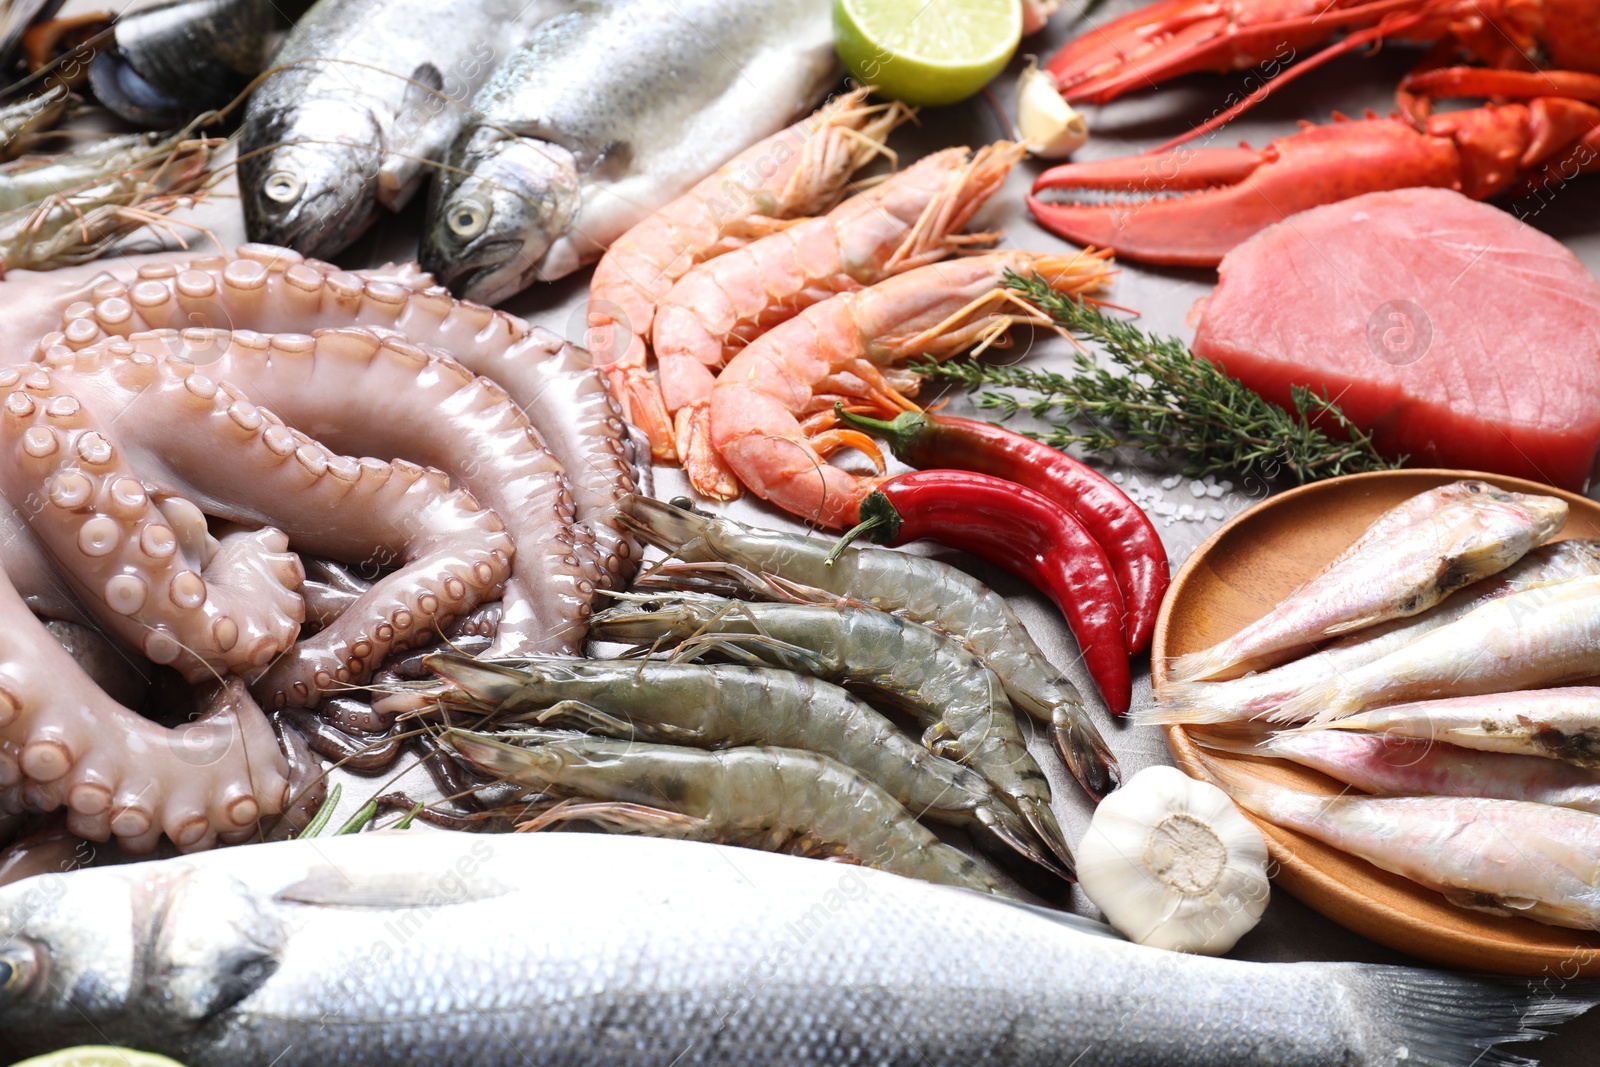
[438,948]
[605,114]
[1410,559]
[1543,636]
[1260,695]
[367,93]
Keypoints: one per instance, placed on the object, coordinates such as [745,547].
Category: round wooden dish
[1239,575]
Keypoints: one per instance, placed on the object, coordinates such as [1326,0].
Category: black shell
[170,63]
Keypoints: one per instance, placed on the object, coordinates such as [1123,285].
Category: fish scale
[467,949]
[605,114]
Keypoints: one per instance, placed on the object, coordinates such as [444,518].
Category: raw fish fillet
[1459,335]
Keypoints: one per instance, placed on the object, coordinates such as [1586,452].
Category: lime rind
[927,52]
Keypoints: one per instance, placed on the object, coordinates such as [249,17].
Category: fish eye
[467,219]
[282,186]
[17,965]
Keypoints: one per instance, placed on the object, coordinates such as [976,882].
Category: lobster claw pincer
[1190,206]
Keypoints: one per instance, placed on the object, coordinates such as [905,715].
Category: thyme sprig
[1158,397]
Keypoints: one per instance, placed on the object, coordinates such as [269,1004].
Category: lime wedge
[926,52]
[99,1056]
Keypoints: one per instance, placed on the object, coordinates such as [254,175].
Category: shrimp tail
[1003,833]
[637,390]
[1085,752]
[1042,821]
[704,466]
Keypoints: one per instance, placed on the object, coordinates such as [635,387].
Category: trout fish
[485,950]
[364,94]
[605,114]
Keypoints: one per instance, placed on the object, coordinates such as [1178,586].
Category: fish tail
[1316,704]
[1202,666]
[1193,703]
[1438,1019]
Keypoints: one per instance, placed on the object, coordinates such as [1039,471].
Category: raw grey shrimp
[957,700]
[772,565]
[87,209]
[723,706]
[775,799]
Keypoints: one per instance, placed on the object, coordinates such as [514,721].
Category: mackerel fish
[365,93]
[565,949]
[605,114]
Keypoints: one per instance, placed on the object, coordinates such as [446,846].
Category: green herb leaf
[1164,400]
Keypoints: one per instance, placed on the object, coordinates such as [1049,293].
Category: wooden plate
[1238,576]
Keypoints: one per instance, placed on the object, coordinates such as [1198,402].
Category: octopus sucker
[182,435]
[553,382]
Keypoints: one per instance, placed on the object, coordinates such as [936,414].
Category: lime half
[928,52]
[99,1056]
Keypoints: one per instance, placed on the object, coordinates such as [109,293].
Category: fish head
[66,958]
[126,955]
[498,221]
[308,177]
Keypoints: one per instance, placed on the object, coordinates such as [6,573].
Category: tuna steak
[1457,334]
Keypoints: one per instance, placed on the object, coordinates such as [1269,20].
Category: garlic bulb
[1049,126]
[1173,864]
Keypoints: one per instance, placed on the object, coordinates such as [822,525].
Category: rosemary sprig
[1162,399]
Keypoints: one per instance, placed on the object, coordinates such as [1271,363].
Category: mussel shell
[168,64]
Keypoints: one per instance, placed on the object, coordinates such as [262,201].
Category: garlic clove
[1172,863]
[1049,126]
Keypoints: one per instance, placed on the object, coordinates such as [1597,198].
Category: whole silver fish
[1543,636]
[1556,724]
[604,115]
[349,121]
[1260,695]
[441,949]
[1409,559]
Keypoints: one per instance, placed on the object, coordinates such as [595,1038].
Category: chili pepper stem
[899,431]
[880,523]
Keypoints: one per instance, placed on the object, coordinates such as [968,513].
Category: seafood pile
[313,952]
[1451,634]
[1191,206]
[797,762]
[185,451]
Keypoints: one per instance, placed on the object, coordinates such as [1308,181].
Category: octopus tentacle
[240,462]
[274,290]
[123,558]
[554,382]
[425,407]
[63,742]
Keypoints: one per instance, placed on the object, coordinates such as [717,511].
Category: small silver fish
[1506,857]
[566,949]
[1407,561]
[1394,765]
[605,114]
[1561,724]
[1260,695]
[1543,636]
[364,94]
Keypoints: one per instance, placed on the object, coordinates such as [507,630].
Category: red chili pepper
[927,441]
[1023,532]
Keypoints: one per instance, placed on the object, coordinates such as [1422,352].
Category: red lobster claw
[1225,195]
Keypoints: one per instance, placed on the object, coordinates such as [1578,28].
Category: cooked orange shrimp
[794,173]
[838,350]
[723,304]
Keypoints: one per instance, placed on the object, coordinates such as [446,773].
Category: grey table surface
[1185,513]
